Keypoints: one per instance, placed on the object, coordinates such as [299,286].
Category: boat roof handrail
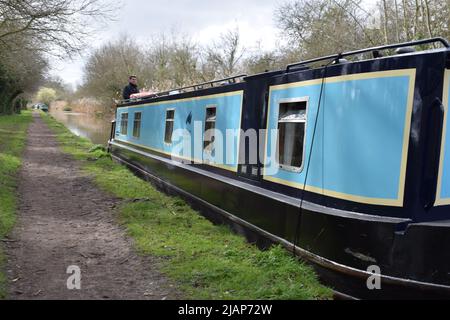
[337,56]
[194,87]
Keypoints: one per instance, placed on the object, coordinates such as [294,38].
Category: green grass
[207,261]
[12,142]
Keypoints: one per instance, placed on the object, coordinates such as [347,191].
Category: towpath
[64,220]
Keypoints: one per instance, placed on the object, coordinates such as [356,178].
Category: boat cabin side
[366,136]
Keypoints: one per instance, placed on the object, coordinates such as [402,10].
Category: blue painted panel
[359,140]
[445,187]
[228,112]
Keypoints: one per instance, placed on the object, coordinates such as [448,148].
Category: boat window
[170,119]
[210,125]
[137,125]
[124,124]
[291,135]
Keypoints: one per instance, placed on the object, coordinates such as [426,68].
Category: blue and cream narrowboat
[344,159]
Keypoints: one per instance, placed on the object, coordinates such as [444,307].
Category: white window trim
[122,121]
[140,124]
[211,106]
[165,125]
[293,100]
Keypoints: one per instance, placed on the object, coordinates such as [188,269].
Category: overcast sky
[203,20]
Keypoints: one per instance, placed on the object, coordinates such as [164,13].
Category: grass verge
[207,261]
[12,142]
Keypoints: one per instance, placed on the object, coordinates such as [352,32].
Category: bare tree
[59,27]
[223,56]
[385,21]
[165,64]
[319,27]
[173,61]
[107,69]
[33,30]
[19,78]
[184,63]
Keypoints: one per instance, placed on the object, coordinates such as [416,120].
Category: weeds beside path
[13,133]
[208,261]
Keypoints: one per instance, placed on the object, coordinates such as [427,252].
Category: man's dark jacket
[129,90]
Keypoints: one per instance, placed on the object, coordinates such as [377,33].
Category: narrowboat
[40,106]
[343,159]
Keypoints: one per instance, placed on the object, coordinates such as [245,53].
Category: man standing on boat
[131,88]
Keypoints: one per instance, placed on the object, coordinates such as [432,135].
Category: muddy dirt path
[64,220]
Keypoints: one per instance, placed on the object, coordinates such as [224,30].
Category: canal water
[95,128]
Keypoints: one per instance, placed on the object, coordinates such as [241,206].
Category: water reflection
[96,129]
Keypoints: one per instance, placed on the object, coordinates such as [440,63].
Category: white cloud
[204,20]
[250,36]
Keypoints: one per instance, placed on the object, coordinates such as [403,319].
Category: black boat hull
[340,245]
